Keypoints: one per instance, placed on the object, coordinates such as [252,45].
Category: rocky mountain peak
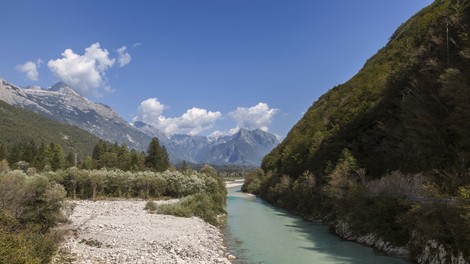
[58,86]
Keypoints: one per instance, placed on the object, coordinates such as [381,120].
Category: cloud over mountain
[259,116]
[192,122]
[87,73]
[30,69]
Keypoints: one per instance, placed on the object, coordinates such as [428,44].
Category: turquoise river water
[257,232]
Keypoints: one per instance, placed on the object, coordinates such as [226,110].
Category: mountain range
[63,104]
[245,147]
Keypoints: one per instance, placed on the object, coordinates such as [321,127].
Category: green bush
[150,206]
[24,244]
[203,205]
[29,207]
[175,209]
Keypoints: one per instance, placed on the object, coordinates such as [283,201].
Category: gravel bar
[123,232]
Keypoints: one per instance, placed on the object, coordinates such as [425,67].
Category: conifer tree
[98,151]
[157,157]
[42,157]
[58,157]
[135,163]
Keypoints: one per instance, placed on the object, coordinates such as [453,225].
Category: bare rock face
[123,232]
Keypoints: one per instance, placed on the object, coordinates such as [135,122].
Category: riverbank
[234,183]
[123,232]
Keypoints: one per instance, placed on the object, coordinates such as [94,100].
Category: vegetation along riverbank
[33,202]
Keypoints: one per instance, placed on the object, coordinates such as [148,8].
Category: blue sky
[196,67]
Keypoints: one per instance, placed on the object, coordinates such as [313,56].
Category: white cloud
[136,44]
[150,111]
[85,73]
[192,122]
[30,69]
[124,57]
[259,116]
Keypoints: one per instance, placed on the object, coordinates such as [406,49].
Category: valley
[240,132]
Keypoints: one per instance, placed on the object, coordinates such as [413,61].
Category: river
[257,232]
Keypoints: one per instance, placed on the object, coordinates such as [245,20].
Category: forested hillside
[397,132]
[407,109]
[21,126]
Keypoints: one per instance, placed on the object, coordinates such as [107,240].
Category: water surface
[257,232]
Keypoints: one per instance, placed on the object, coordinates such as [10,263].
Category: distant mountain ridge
[63,104]
[246,147]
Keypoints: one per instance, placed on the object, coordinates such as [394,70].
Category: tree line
[51,157]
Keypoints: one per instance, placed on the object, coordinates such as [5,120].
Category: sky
[199,67]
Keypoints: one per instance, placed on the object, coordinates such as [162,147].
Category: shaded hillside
[19,125]
[407,109]
[385,156]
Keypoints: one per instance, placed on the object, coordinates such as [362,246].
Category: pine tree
[43,157]
[15,154]
[58,157]
[70,160]
[135,163]
[98,151]
[29,151]
[157,157]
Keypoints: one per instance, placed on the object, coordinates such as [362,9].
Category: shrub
[206,206]
[150,206]
[29,207]
[24,243]
[175,209]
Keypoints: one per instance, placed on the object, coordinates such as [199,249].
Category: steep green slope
[388,152]
[19,125]
[407,109]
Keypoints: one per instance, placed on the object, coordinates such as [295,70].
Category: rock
[231,257]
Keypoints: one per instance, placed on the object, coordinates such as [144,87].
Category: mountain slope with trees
[21,126]
[405,106]
[390,146]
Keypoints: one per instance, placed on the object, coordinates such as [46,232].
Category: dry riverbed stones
[123,232]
